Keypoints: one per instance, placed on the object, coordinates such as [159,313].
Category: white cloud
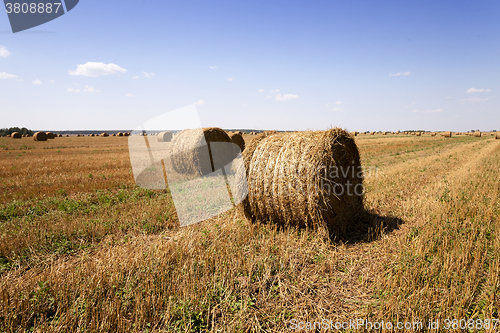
[275,90]
[474,99]
[285,97]
[5,75]
[213,67]
[130,95]
[261,90]
[73,90]
[230,79]
[200,102]
[474,90]
[90,89]
[268,96]
[400,74]
[4,53]
[36,81]
[135,77]
[95,69]
[51,81]
[414,111]
[148,75]
[338,102]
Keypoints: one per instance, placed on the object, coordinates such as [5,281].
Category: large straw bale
[40,136]
[16,135]
[165,136]
[307,179]
[477,134]
[497,135]
[191,156]
[50,135]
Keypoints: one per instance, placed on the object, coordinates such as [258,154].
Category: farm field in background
[82,248]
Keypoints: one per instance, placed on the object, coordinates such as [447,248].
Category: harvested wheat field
[83,249]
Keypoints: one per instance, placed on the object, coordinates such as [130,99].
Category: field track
[83,249]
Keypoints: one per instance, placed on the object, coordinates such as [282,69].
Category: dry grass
[81,253]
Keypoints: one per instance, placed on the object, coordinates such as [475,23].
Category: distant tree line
[9,131]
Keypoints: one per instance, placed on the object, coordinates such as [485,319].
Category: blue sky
[287,65]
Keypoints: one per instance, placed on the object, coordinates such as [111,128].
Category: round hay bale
[497,135]
[189,153]
[372,133]
[433,134]
[67,135]
[307,179]
[165,136]
[237,139]
[16,135]
[40,136]
[354,133]
[477,134]
[104,135]
[446,134]
[114,134]
[120,134]
[60,135]
[418,134]
[126,134]
[385,133]
[50,135]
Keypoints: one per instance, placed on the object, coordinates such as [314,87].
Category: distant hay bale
[40,136]
[67,135]
[16,135]
[497,135]
[50,135]
[306,179]
[114,134]
[384,133]
[104,135]
[60,135]
[120,134]
[126,134]
[165,136]
[446,134]
[372,133]
[237,139]
[418,134]
[354,133]
[433,134]
[477,134]
[191,156]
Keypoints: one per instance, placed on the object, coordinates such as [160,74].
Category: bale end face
[165,136]
[190,155]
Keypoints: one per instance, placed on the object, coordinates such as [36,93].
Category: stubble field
[83,249]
